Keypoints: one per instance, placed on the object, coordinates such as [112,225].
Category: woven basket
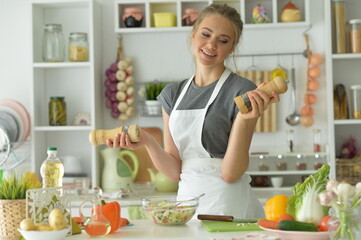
[11,214]
[348,170]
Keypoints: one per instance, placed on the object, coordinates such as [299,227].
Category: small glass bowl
[170,210]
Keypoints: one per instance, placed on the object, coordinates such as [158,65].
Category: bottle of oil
[52,170]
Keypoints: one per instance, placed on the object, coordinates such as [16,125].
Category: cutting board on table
[215,226]
[143,157]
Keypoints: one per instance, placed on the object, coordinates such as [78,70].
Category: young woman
[206,138]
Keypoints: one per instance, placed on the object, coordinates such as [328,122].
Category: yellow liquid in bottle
[52,174]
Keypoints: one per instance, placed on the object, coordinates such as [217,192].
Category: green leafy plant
[15,186]
[153,89]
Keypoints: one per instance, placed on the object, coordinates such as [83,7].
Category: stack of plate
[14,120]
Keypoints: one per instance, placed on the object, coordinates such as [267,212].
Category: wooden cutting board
[216,226]
[143,157]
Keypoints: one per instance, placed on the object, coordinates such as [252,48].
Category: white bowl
[44,235]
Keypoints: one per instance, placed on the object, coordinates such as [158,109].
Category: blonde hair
[225,11]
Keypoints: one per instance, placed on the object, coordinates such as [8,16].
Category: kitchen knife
[224,218]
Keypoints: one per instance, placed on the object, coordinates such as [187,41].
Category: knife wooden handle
[222,218]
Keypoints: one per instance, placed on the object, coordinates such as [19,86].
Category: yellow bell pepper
[276,207]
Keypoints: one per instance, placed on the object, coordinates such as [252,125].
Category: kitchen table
[193,230]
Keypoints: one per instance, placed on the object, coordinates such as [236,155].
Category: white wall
[166,56]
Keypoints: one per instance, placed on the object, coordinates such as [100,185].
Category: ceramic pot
[133,17]
[189,17]
[153,107]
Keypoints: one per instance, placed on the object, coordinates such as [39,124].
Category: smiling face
[213,40]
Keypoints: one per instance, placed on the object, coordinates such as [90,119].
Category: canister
[53,43]
[355,35]
[356,101]
[57,111]
[78,47]
[339,11]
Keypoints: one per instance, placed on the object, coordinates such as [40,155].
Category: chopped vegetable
[303,205]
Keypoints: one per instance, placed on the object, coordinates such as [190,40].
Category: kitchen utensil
[98,137]
[216,226]
[117,173]
[162,182]
[278,84]
[225,218]
[170,210]
[294,118]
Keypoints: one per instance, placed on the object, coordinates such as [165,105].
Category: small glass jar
[316,140]
[290,140]
[301,164]
[263,165]
[53,43]
[78,47]
[356,101]
[355,35]
[281,164]
[319,161]
[57,111]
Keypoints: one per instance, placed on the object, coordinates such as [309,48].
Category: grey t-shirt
[221,113]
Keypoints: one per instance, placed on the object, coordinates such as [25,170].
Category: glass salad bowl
[170,210]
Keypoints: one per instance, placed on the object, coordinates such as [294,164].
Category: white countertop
[193,230]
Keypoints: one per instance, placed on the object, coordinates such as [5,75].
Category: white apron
[201,173]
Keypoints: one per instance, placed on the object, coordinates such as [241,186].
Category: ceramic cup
[277,181]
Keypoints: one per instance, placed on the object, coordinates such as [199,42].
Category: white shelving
[78,82]
[341,69]
[177,7]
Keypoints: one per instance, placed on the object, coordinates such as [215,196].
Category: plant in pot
[152,90]
[13,202]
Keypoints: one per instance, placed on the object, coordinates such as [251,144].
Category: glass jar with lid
[356,101]
[355,35]
[78,47]
[53,43]
[57,111]
[316,140]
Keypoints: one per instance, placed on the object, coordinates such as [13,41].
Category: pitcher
[117,173]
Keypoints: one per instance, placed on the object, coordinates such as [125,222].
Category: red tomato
[324,224]
[285,217]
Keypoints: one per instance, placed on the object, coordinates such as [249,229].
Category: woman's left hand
[260,102]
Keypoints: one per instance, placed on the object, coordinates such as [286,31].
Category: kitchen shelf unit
[340,69]
[78,82]
[291,174]
[177,7]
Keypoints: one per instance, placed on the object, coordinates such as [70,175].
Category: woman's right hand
[122,140]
